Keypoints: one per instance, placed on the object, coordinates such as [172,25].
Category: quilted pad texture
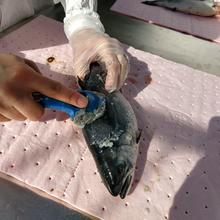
[178,109]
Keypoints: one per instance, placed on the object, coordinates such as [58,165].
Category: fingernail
[110,89]
[82,101]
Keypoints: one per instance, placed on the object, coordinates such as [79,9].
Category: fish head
[117,168]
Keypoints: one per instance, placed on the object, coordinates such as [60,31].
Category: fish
[196,7]
[113,139]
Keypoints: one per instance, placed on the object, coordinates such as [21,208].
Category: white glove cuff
[73,24]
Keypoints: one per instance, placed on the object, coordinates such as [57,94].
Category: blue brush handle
[93,103]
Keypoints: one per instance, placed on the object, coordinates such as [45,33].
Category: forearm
[80,14]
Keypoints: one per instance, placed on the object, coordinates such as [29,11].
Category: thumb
[113,70]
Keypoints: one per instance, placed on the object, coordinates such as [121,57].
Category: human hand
[91,46]
[19,78]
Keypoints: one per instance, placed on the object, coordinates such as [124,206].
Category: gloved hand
[89,46]
[19,78]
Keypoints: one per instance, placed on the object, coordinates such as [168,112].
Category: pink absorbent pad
[204,27]
[178,109]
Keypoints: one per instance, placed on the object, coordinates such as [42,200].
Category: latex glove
[19,78]
[89,46]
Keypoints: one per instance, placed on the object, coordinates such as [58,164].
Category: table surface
[19,203]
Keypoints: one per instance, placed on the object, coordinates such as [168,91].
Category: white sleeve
[80,14]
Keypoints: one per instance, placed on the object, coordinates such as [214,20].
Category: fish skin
[113,139]
[196,7]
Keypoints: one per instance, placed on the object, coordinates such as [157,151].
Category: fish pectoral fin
[138,135]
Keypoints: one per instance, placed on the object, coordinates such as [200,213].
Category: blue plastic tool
[94,102]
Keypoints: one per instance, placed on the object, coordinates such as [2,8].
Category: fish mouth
[121,186]
[117,169]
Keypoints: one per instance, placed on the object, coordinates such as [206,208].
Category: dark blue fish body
[113,138]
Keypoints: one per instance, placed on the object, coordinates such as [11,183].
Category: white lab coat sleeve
[80,14]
